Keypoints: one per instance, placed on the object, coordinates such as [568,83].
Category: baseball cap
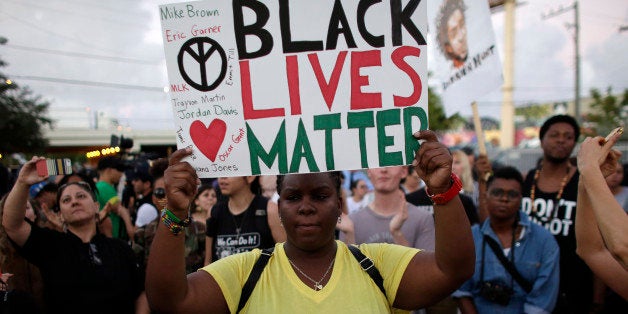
[111,162]
[141,174]
[43,186]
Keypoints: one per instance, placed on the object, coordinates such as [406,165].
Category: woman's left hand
[432,162]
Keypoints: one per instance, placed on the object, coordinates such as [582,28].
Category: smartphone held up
[53,167]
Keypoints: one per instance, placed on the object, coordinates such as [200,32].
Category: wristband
[445,197]
[173,223]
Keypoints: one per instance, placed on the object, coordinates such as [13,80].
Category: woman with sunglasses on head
[204,200]
[311,272]
[83,271]
[509,239]
[194,235]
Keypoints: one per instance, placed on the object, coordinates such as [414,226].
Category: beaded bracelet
[173,223]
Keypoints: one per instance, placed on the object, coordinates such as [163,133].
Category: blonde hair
[467,175]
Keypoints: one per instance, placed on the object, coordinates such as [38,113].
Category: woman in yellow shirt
[311,271]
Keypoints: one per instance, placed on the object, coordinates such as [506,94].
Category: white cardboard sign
[466,62]
[275,87]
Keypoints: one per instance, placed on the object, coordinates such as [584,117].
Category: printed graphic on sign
[261,87]
[211,59]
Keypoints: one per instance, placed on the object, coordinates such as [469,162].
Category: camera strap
[510,267]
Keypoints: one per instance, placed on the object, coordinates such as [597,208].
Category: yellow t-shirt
[349,290]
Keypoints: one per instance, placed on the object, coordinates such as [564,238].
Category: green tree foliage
[437,119]
[608,111]
[534,112]
[22,117]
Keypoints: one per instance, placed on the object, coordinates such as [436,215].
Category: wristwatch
[445,197]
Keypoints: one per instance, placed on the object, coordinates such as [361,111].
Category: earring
[339,219]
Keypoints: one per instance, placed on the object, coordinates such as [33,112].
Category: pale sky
[92,57]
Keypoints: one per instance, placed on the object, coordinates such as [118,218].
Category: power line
[87,83]
[46,31]
[102,7]
[83,55]
[604,15]
[75,13]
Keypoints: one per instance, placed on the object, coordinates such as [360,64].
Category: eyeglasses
[160,193]
[512,195]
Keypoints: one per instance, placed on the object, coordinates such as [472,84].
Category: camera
[496,292]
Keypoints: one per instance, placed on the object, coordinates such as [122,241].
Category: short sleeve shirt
[349,289]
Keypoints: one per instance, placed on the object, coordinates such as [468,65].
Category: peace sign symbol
[207,65]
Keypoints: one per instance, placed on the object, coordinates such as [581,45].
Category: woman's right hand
[181,182]
[596,153]
[28,174]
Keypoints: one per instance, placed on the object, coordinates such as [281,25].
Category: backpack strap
[368,266]
[256,272]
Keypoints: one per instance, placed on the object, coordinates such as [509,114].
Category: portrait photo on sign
[452,32]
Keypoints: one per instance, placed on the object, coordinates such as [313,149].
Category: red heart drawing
[208,139]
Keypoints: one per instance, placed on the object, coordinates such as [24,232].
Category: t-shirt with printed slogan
[576,280]
[349,289]
[240,233]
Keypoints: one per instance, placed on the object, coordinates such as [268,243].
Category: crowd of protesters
[549,241]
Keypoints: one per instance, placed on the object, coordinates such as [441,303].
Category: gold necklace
[537,174]
[317,284]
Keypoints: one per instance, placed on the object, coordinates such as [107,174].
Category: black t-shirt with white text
[253,232]
[576,281]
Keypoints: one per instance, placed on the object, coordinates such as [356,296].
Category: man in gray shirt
[389,218]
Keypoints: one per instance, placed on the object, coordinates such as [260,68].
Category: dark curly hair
[446,10]
[561,118]
[506,173]
[158,167]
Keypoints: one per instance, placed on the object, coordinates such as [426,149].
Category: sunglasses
[84,185]
[511,195]
[160,193]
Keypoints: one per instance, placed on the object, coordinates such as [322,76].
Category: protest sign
[466,63]
[275,87]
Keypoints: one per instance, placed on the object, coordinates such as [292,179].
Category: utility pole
[576,27]
[507,124]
